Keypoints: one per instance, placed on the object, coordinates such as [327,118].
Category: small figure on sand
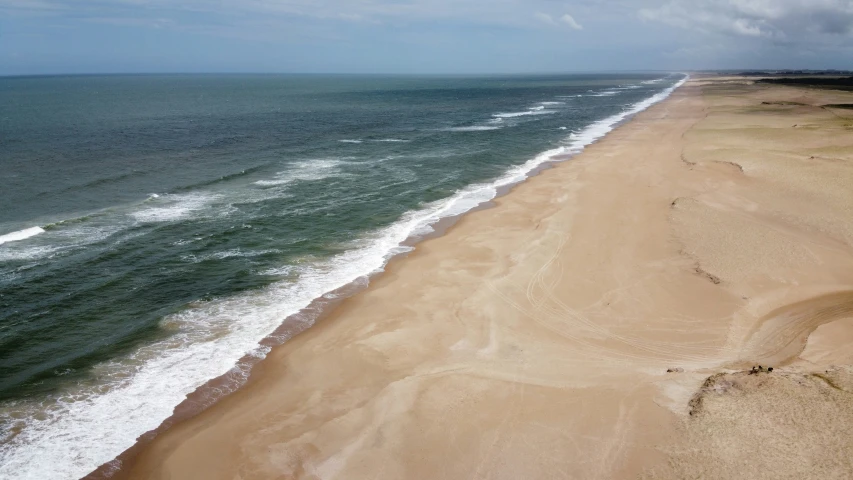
[759,368]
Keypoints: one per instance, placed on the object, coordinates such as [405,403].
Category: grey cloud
[774,19]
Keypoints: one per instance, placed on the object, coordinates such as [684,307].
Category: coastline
[133,392]
[450,343]
[321,307]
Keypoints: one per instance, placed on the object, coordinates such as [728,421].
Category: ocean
[157,229]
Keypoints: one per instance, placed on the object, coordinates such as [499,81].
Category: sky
[421,36]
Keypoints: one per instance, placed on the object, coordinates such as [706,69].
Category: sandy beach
[600,321]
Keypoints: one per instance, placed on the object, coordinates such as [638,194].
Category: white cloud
[563,20]
[570,21]
[545,18]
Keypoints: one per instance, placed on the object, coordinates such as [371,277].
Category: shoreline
[243,375]
[575,327]
[331,309]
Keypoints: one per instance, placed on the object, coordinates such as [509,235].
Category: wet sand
[711,233]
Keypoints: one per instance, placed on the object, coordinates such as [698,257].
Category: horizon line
[422,74]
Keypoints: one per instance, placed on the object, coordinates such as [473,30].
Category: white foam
[173,207]
[279,271]
[29,253]
[307,170]
[20,235]
[474,128]
[89,425]
[498,118]
[652,82]
[71,235]
[57,241]
[606,93]
[236,252]
[351,141]
[533,111]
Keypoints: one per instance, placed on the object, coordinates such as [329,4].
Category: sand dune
[711,233]
[767,425]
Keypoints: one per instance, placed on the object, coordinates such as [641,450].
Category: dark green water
[184,217]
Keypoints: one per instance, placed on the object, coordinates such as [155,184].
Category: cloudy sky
[421,36]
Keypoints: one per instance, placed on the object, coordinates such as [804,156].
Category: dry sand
[711,233]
